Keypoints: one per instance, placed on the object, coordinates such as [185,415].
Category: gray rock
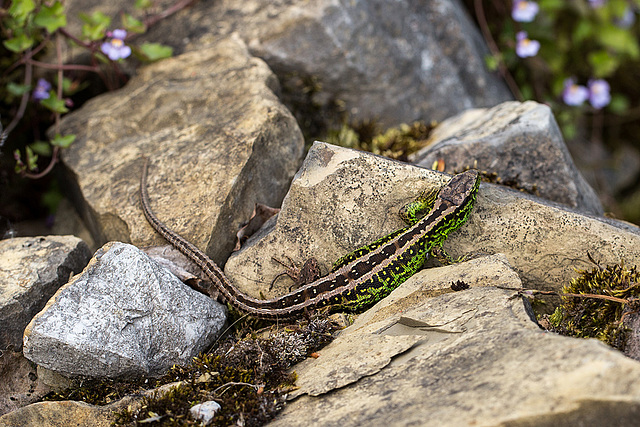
[124,316]
[342,199]
[543,242]
[217,137]
[391,61]
[479,359]
[521,142]
[31,271]
[205,411]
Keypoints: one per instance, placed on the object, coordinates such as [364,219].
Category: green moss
[396,143]
[608,294]
[100,391]
[248,377]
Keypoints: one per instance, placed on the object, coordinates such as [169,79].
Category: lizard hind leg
[439,253]
[309,272]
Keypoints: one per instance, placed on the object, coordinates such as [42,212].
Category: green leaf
[52,198]
[51,17]
[617,7]
[95,25]
[155,51]
[620,40]
[32,159]
[63,141]
[603,64]
[132,25]
[19,43]
[527,92]
[71,87]
[551,5]
[569,130]
[20,166]
[54,104]
[583,30]
[41,147]
[492,62]
[619,104]
[143,4]
[20,9]
[17,89]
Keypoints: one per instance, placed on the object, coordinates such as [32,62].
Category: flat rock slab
[478,360]
[124,316]
[521,142]
[217,137]
[31,271]
[65,413]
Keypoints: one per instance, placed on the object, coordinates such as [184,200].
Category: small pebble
[205,411]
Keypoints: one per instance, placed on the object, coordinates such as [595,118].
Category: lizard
[360,278]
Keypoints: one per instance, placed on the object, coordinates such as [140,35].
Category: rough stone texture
[20,383]
[342,199]
[77,414]
[218,141]
[521,142]
[123,316]
[58,414]
[366,354]
[543,242]
[31,271]
[479,360]
[392,61]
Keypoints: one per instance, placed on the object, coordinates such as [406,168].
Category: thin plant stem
[495,51]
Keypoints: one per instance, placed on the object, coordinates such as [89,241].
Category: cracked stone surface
[521,142]
[123,316]
[31,271]
[478,359]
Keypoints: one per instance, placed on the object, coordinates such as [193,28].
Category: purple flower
[597,3]
[627,19]
[526,47]
[115,48]
[599,93]
[42,90]
[574,94]
[524,11]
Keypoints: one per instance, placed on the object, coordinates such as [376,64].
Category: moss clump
[248,377]
[395,143]
[594,304]
[100,391]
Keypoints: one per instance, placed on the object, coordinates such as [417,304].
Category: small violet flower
[115,48]
[524,11]
[599,93]
[627,19]
[597,3]
[42,90]
[574,94]
[526,47]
